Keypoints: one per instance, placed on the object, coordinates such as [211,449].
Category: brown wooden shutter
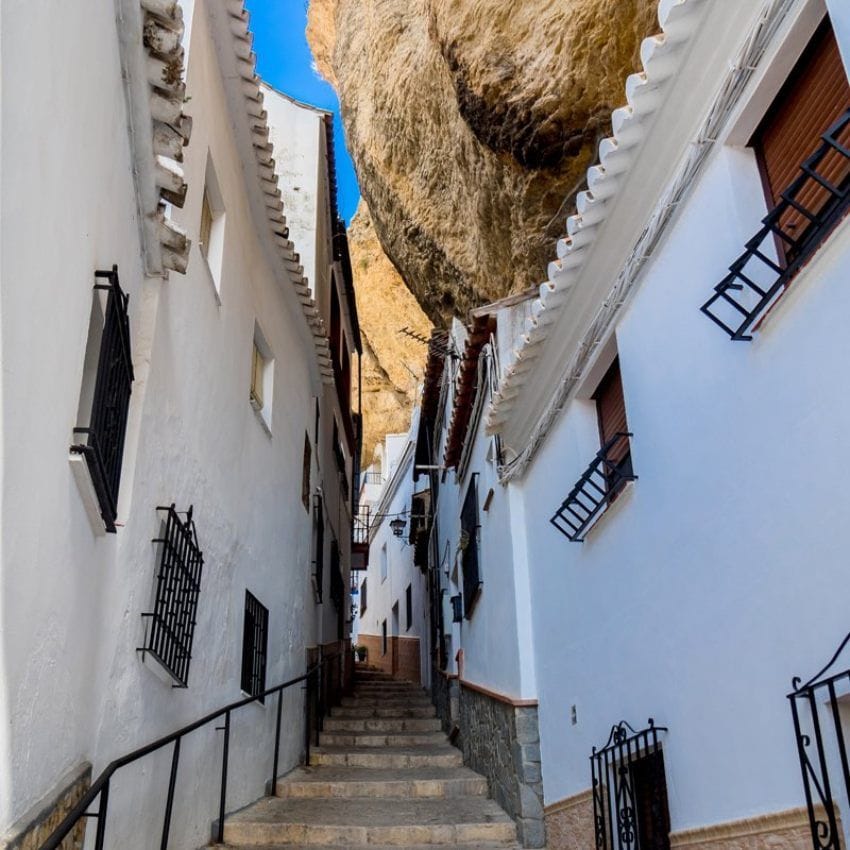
[611,409]
[816,95]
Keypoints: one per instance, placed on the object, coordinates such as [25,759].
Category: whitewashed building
[654,427]
[178,445]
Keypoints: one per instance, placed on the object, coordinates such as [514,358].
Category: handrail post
[223,799]
[169,804]
[101,817]
[277,742]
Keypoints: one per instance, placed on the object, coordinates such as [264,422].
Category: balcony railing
[172,622]
[103,445]
[373,478]
[601,483]
[360,527]
[810,208]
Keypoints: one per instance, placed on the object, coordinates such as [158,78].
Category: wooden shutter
[611,409]
[206,224]
[816,95]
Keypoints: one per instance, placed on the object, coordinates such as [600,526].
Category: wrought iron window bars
[470,558]
[600,484]
[630,802]
[171,625]
[822,748]
[817,203]
[255,640]
[103,445]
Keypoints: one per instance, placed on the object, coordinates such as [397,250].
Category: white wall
[709,584]
[74,687]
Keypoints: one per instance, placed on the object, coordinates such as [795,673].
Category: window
[262,375]
[105,395]
[211,227]
[609,471]
[803,151]
[469,546]
[255,639]
[171,624]
[630,791]
[305,473]
[384,638]
[319,557]
[363,598]
[385,564]
[408,600]
[337,583]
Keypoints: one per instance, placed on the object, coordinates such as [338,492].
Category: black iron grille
[810,208]
[319,561]
[360,526]
[178,584]
[103,447]
[822,749]
[255,640]
[470,562]
[630,810]
[596,489]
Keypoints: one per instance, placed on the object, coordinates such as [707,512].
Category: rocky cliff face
[471,123]
[393,362]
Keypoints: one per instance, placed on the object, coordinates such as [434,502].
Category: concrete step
[359,710]
[438,755]
[387,702]
[380,739]
[388,691]
[382,782]
[393,821]
[382,724]
[476,846]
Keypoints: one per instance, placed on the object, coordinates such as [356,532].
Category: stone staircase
[384,777]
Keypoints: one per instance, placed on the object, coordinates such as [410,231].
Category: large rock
[471,123]
[393,362]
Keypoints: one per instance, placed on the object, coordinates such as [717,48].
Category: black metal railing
[816,707]
[808,210]
[171,627]
[601,483]
[630,809]
[320,694]
[360,526]
[103,446]
[255,639]
[373,478]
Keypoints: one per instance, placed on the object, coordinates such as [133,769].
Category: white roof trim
[257,117]
[661,56]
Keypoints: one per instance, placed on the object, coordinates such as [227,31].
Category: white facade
[74,687]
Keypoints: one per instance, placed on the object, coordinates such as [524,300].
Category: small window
[171,624]
[262,376]
[363,598]
[613,428]
[211,227]
[408,599]
[105,394]
[469,546]
[384,638]
[385,564]
[319,556]
[305,473]
[255,639]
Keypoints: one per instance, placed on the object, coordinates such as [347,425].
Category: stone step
[389,691]
[387,702]
[382,782]
[443,755]
[380,739]
[510,845]
[392,821]
[382,724]
[350,712]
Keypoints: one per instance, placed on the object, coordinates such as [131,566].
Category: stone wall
[36,826]
[444,694]
[569,823]
[401,658]
[500,740]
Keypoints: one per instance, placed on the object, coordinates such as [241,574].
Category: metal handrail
[100,786]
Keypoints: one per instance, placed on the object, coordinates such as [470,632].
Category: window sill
[210,278]
[257,702]
[82,476]
[624,496]
[262,420]
[151,663]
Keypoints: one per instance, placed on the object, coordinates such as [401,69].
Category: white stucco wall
[73,686]
[712,580]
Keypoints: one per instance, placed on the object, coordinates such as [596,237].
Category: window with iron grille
[408,601]
[319,557]
[803,150]
[469,543]
[384,637]
[337,583]
[305,473]
[255,639]
[171,624]
[105,400]
[630,810]
[363,598]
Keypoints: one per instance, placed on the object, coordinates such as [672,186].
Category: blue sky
[285,62]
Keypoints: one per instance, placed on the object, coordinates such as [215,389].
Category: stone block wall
[444,694]
[501,741]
